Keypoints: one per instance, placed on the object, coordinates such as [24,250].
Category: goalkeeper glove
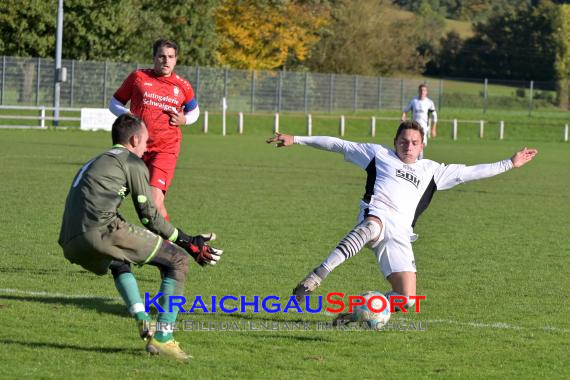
[197,247]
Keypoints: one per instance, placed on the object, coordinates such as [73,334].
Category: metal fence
[30,81]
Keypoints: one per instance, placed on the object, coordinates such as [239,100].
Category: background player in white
[398,188]
[422,109]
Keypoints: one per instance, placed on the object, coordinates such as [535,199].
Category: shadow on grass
[101,305]
[66,346]
[291,337]
[38,272]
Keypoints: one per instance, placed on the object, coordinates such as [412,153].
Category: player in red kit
[164,101]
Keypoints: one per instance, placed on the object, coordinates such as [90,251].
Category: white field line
[55,295]
[495,325]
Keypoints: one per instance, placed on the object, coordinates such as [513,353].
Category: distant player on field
[94,235]
[164,101]
[398,188]
[422,109]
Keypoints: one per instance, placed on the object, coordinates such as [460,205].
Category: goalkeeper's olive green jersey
[98,190]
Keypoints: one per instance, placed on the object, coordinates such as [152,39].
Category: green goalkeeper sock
[126,284]
[168,287]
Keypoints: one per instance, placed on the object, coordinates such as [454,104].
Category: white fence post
[373,126]
[240,123]
[43,117]
[309,125]
[276,123]
[566,133]
[454,130]
[341,126]
[224,108]
[205,123]
[481,129]
[501,130]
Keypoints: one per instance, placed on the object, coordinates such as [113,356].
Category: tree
[472,10]
[27,27]
[518,44]
[108,29]
[266,34]
[562,64]
[191,23]
[445,60]
[105,29]
[429,29]
[28,30]
[364,40]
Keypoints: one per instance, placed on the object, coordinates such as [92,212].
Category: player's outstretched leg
[367,231]
[126,284]
[403,284]
[173,264]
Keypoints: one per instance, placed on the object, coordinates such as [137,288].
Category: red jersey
[150,96]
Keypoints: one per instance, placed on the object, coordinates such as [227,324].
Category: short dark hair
[164,43]
[422,85]
[409,125]
[124,127]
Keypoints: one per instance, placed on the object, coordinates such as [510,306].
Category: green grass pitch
[492,259]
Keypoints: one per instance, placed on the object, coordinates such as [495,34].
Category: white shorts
[393,250]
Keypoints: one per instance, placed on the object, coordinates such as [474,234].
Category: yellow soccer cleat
[170,348]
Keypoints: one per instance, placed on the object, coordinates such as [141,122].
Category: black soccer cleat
[307,286]
[344,318]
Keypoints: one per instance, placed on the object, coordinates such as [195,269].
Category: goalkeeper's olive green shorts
[121,241]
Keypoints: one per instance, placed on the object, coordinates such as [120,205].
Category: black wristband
[182,238]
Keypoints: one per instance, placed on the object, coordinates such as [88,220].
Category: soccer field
[492,258]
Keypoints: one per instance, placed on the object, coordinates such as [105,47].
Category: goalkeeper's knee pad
[172,261]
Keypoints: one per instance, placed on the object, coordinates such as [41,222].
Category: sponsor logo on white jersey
[411,178]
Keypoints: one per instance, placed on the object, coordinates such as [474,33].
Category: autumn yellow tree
[260,35]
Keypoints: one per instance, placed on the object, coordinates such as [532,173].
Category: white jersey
[421,110]
[397,190]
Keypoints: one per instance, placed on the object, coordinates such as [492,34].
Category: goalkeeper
[94,235]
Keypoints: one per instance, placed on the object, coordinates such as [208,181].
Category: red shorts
[161,168]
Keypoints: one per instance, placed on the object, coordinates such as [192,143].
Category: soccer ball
[375,320]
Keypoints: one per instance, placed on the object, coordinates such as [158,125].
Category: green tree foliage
[473,10]
[108,29]
[28,30]
[191,23]
[429,29]
[562,64]
[27,27]
[101,30]
[364,40]
[512,45]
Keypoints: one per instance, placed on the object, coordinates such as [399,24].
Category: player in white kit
[398,189]
[422,109]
